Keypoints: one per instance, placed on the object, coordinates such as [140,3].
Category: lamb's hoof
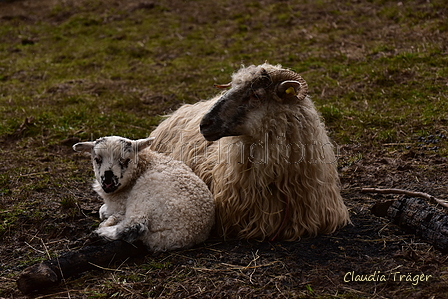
[131,233]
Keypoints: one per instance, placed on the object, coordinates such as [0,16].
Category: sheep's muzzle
[109,182]
[206,128]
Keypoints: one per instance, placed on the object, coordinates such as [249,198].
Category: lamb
[264,152]
[148,196]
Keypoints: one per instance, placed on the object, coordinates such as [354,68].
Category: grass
[91,69]
[377,71]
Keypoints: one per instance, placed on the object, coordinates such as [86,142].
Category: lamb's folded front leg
[111,227]
[111,213]
[110,208]
[112,220]
[127,230]
[103,212]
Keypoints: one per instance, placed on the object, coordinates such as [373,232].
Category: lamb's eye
[125,162]
[98,160]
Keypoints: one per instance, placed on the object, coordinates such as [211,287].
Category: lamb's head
[254,91]
[114,159]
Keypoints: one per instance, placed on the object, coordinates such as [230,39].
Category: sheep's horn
[222,86]
[287,75]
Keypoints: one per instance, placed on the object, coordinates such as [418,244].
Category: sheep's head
[114,159]
[253,91]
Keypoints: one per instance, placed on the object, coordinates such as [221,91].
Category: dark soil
[325,266]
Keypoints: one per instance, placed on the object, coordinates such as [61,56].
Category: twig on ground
[107,269]
[235,267]
[35,249]
[256,257]
[406,192]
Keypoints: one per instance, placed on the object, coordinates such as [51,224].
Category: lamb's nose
[108,175]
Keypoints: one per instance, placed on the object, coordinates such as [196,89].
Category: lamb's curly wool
[148,196]
[273,175]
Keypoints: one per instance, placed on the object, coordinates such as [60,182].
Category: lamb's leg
[112,220]
[109,209]
[103,212]
[128,231]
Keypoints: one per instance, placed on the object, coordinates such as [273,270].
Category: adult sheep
[148,196]
[274,174]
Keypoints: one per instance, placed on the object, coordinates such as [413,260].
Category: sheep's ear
[144,143]
[83,146]
[288,89]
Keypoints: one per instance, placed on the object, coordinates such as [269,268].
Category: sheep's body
[158,200]
[274,175]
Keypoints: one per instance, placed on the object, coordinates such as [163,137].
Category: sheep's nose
[205,123]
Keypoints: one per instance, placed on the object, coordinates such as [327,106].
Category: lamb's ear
[288,89]
[83,146]
[144,143]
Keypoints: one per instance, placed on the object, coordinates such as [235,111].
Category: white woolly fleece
[164,204]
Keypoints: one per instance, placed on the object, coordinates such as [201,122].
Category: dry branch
[406,192]
[51,272]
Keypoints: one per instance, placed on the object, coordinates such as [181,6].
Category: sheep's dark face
[114,160]
[229,116]
[253,95]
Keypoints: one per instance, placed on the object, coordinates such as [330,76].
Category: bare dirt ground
[328,266]
[321,267]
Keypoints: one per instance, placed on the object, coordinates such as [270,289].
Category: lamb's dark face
[113,161]
[255,94]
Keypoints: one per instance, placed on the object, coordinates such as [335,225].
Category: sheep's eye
[254,99]
[256,96]
[125,162]
[98,160]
